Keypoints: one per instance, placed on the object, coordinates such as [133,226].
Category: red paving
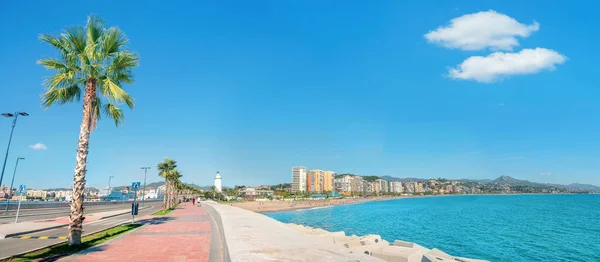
[184,236]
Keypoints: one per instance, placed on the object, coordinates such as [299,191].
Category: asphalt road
[48,213]
[16,245]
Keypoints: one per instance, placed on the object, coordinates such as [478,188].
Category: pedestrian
[193,201]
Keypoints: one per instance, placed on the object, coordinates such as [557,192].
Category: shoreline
[269,206]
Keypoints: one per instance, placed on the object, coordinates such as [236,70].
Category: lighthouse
[218,182]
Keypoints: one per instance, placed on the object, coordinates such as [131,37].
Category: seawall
[255,237]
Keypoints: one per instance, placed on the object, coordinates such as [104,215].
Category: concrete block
[439,253]
[370,239]
[399,254]
[434,258]
[400,243]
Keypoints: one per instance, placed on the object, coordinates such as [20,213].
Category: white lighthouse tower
[218,182]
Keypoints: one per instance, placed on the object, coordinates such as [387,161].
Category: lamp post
[11,183]
[108,191]
[15,116]
[144,190]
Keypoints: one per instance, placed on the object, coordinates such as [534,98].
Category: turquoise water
[496,228]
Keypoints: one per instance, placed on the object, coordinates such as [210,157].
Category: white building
[150,194]
[345,183]
[396,187]
[298,179]
[218,183]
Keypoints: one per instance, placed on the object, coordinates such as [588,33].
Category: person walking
[193,201]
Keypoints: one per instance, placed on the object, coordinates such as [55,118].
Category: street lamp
[108,190]
[144,190]
[15,116]
[11,182]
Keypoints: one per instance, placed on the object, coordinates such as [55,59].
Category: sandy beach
[290,204]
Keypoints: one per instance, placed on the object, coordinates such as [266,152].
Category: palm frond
[112,41]
[75,37]
[112,91]
[53,64]
[123,60]
[56,42]
[61,95]
[60,80]
[113,112]
[95,28]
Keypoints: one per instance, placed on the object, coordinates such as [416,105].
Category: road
[48,213]
[16,245]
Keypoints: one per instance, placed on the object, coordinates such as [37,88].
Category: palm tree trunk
[166,193]
[76,218]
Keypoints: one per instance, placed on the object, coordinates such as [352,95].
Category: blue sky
[254,88]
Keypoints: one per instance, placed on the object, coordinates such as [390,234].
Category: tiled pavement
[184,235]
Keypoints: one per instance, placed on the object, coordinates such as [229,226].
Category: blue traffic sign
[22,188]
[135,186]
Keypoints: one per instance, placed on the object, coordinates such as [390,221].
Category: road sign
[22,188]
[135,186]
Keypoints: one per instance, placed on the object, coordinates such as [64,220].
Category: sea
[490,227]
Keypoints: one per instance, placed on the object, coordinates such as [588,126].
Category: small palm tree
[92,62]
[165,170]
[177,185]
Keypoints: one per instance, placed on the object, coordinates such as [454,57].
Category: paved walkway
[186,234]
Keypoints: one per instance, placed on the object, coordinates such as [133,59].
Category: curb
[59,226]
[219,223]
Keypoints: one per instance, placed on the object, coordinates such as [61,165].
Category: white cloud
[545,174]
[38,146]
[500,65]
[480,31]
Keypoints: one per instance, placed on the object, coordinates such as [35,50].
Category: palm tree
[165,169]
[177,185]
[92,62]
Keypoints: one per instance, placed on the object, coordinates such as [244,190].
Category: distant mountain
[516,182]
[508,180]
[577,186]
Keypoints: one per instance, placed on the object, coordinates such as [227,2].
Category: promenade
[189,233]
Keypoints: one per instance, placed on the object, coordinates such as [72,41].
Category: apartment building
[299,177]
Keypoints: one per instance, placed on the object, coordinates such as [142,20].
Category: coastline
[288,205]
[267,206]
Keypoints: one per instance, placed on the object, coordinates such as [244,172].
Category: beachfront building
[328,178]
[358,184]
[218,183]
[314,181]
[396,187]
[299,182]
[345,183]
